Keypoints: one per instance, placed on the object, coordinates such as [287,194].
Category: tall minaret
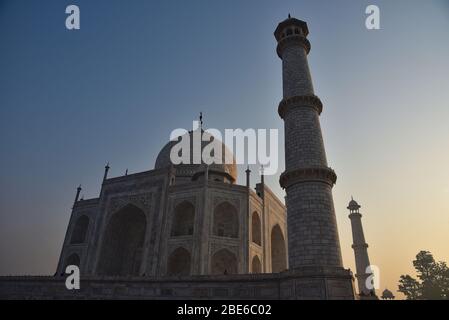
[360,250]
[312,227]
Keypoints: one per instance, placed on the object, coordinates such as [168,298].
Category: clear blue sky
[113,91]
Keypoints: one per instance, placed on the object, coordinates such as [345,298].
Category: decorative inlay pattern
[142,201]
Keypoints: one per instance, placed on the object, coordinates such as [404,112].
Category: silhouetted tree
[433,276]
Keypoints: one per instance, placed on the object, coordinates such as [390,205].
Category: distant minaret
[360,250]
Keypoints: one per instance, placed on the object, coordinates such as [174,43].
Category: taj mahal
[177,220]
[189,231]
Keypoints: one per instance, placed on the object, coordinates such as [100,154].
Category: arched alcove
[80,230]
[226,221]
[72,260]
[121,251]
[224,262]
[256,266]
[179,263]
[183,219]
[256,229]
[278,252]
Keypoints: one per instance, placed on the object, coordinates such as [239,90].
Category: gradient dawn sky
[113,91]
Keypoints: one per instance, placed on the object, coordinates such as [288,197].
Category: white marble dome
[190,169]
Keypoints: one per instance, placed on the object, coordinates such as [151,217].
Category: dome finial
[289,16]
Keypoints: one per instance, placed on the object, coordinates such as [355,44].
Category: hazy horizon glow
[114,90]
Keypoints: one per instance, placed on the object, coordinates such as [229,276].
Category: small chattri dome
[387,294]
[353,205]
[293,23]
